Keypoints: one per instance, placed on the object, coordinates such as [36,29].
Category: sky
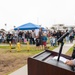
[42,12]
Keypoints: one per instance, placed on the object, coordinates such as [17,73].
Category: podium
[43,64]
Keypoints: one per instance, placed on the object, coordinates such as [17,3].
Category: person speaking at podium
[71,62]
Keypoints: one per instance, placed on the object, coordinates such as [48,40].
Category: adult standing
[0,37]
[9,37]
[40,36]
[71,37]
[33,36]
[58,35]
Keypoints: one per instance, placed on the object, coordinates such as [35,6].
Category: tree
[53,28]
[64,27]
[2,29]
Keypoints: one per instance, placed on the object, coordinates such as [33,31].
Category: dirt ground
[10,62]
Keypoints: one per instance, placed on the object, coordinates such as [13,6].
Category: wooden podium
[43,64]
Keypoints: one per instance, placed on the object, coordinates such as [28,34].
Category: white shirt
[53,40]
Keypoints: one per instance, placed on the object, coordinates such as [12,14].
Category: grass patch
[69,52]
[4,47]
[52,47]
[33,50]
[11,61]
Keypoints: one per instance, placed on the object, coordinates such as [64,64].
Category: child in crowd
[37,41]
[51,40]
[44,40]
[54,41]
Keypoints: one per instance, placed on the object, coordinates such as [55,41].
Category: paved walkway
[23,70]
[66,47]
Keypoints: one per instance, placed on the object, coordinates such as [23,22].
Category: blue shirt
[44,38]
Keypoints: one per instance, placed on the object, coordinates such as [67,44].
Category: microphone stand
[62,43]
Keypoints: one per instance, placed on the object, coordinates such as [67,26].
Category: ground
[9,63]
[13,60]
[69,52]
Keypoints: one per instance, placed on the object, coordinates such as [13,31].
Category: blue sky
[42,12]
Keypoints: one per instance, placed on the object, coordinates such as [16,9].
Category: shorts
[44,43]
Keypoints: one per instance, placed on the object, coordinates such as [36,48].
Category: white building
[58,27]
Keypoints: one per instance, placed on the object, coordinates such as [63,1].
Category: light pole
[14,27]
[5,26]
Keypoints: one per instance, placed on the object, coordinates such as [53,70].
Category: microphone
[61,40]
[64,35]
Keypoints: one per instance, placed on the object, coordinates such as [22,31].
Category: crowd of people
[40,39]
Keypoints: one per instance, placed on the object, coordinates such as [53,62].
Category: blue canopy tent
[44,29]
[28,26]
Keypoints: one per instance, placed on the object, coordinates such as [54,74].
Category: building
[58,27]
